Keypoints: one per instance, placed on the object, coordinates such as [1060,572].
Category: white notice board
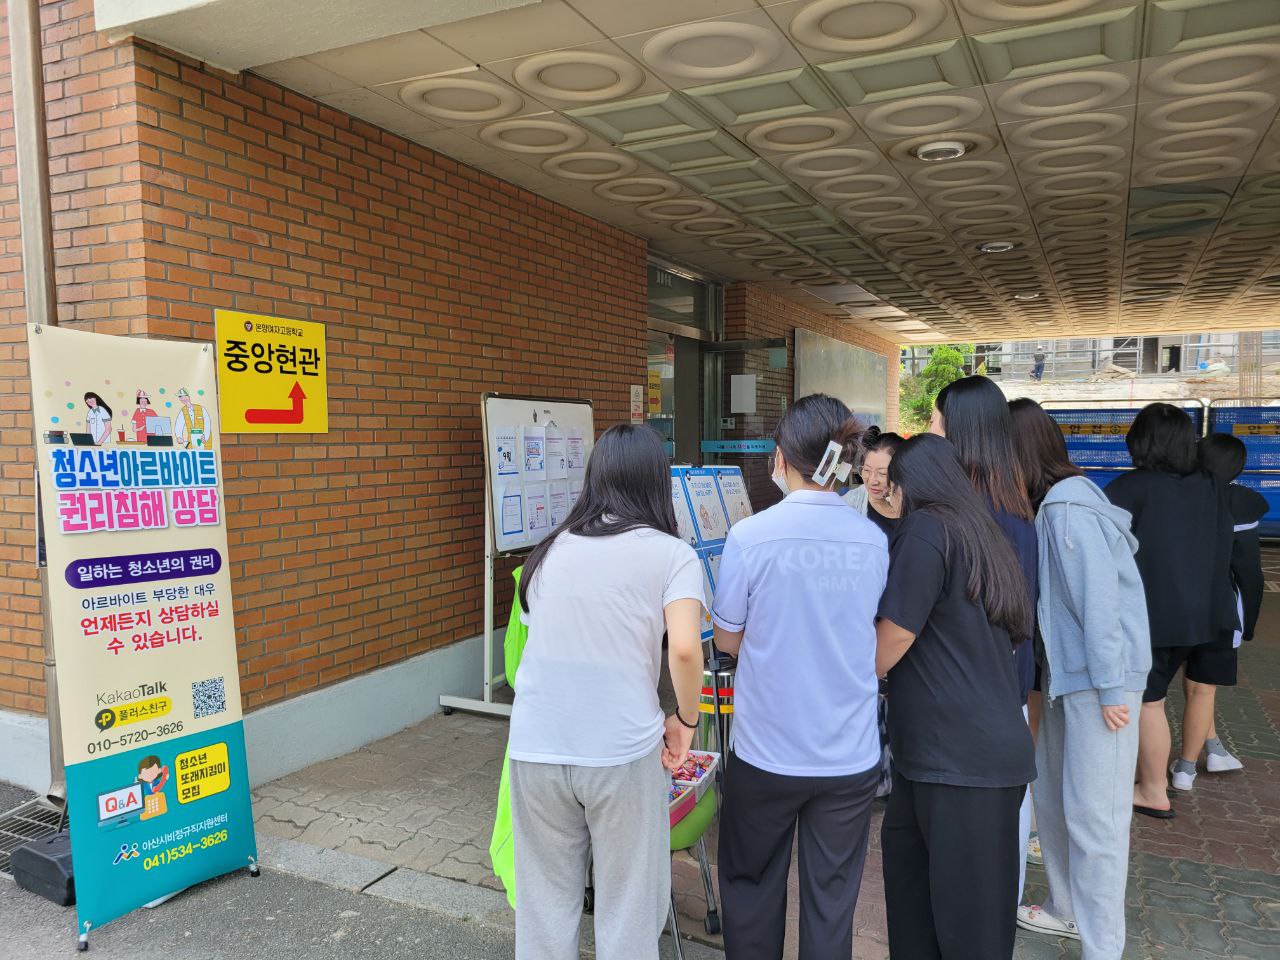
[535,456]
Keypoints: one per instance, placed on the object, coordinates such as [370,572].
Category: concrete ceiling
[1129,150]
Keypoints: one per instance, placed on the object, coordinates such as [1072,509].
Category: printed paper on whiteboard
[558,492]
[684,520]
[575,452]
[557,460]
[535,504]
[506,454]
[534,453]
[512,515]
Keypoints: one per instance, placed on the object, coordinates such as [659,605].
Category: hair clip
[829,464]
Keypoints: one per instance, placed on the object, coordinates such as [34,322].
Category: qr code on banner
[209,697]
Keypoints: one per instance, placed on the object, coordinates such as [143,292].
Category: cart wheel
[589,900]
[447,711]
[712,923]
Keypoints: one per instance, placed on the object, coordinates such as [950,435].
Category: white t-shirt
[587,690]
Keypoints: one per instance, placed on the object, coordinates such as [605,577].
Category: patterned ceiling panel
[1103,165]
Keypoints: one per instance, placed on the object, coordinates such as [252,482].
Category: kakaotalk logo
[133,693]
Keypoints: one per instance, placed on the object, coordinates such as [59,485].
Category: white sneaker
[1180,780]
[1034,918]
[1222,763]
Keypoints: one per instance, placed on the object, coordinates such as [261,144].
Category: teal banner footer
[150,821]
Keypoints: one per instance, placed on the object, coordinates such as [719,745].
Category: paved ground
[406,820]
[1202,885]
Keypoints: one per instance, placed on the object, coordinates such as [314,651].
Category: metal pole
[40,294]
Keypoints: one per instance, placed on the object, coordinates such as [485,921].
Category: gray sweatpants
[619,815]
[1084,802]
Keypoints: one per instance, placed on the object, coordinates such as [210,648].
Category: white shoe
[1034,918]
[1222,763]
[1180,780]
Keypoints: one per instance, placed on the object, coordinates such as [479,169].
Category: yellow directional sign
[1256,429]
[272,374]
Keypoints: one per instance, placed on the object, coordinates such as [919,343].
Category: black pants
[951,870]
[757,826]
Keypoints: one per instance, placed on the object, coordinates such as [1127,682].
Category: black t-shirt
[888,525]
[1184,530]
[955,713]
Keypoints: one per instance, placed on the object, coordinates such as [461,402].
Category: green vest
[502,849]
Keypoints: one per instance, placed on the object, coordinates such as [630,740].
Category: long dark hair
[809,425]
[102,403]
[1040,448]
[930,477]
[1223,456]
[627,486]
[975,415]
[1162,437]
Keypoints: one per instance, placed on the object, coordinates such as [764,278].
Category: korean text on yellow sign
[272,374]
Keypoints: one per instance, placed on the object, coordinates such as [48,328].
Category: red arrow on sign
[291,415]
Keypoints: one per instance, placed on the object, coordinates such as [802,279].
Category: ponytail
[810,425]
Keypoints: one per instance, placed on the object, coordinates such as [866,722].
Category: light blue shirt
[802,580]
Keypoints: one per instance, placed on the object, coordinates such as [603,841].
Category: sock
[1215,746]
[1184,766]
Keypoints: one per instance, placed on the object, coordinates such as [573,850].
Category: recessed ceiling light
[936,150]
[996,246]
[1030,295]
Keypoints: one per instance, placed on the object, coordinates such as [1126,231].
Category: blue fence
[1095,437]
[1095,441]
[1259,428]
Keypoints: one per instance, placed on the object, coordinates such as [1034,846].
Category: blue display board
[708,501]
[1259,429]
[1095,437]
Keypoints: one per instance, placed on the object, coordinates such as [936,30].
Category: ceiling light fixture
[1030,295]
[996,246]
[936,150]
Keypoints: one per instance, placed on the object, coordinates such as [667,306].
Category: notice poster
[559,496]
[534,453]
[575,453]
[557,460]
[575,491]
[535,505]
[704,502]
[512,519]
[506,454]
[141,613]
[684,520]
[734,491]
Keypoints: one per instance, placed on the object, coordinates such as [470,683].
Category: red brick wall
[753,313]
[97,218]
[436,282]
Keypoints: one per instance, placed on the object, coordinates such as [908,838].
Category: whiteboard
[535,457]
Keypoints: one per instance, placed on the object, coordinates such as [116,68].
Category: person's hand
[1116,718]
[676,740]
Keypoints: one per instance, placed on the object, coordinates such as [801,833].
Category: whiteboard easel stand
[487,704]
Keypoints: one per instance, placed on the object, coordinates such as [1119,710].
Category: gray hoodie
[1092,608]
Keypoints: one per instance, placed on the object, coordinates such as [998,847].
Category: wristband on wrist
[687,726]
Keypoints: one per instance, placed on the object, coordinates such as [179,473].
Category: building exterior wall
[182,190]
[754,313]
[178,190]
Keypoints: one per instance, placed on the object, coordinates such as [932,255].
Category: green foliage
[916,394]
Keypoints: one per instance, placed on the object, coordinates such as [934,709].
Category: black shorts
[1211,663]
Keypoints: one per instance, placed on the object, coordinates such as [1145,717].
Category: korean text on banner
[272,374]
[140,603]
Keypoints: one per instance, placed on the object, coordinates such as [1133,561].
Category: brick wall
[97,219]
[754,313]
[181,190]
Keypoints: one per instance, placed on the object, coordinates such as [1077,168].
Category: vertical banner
[140,601]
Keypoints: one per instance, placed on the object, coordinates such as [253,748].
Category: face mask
[780,481]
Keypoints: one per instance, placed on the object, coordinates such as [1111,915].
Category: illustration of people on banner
[193,428]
